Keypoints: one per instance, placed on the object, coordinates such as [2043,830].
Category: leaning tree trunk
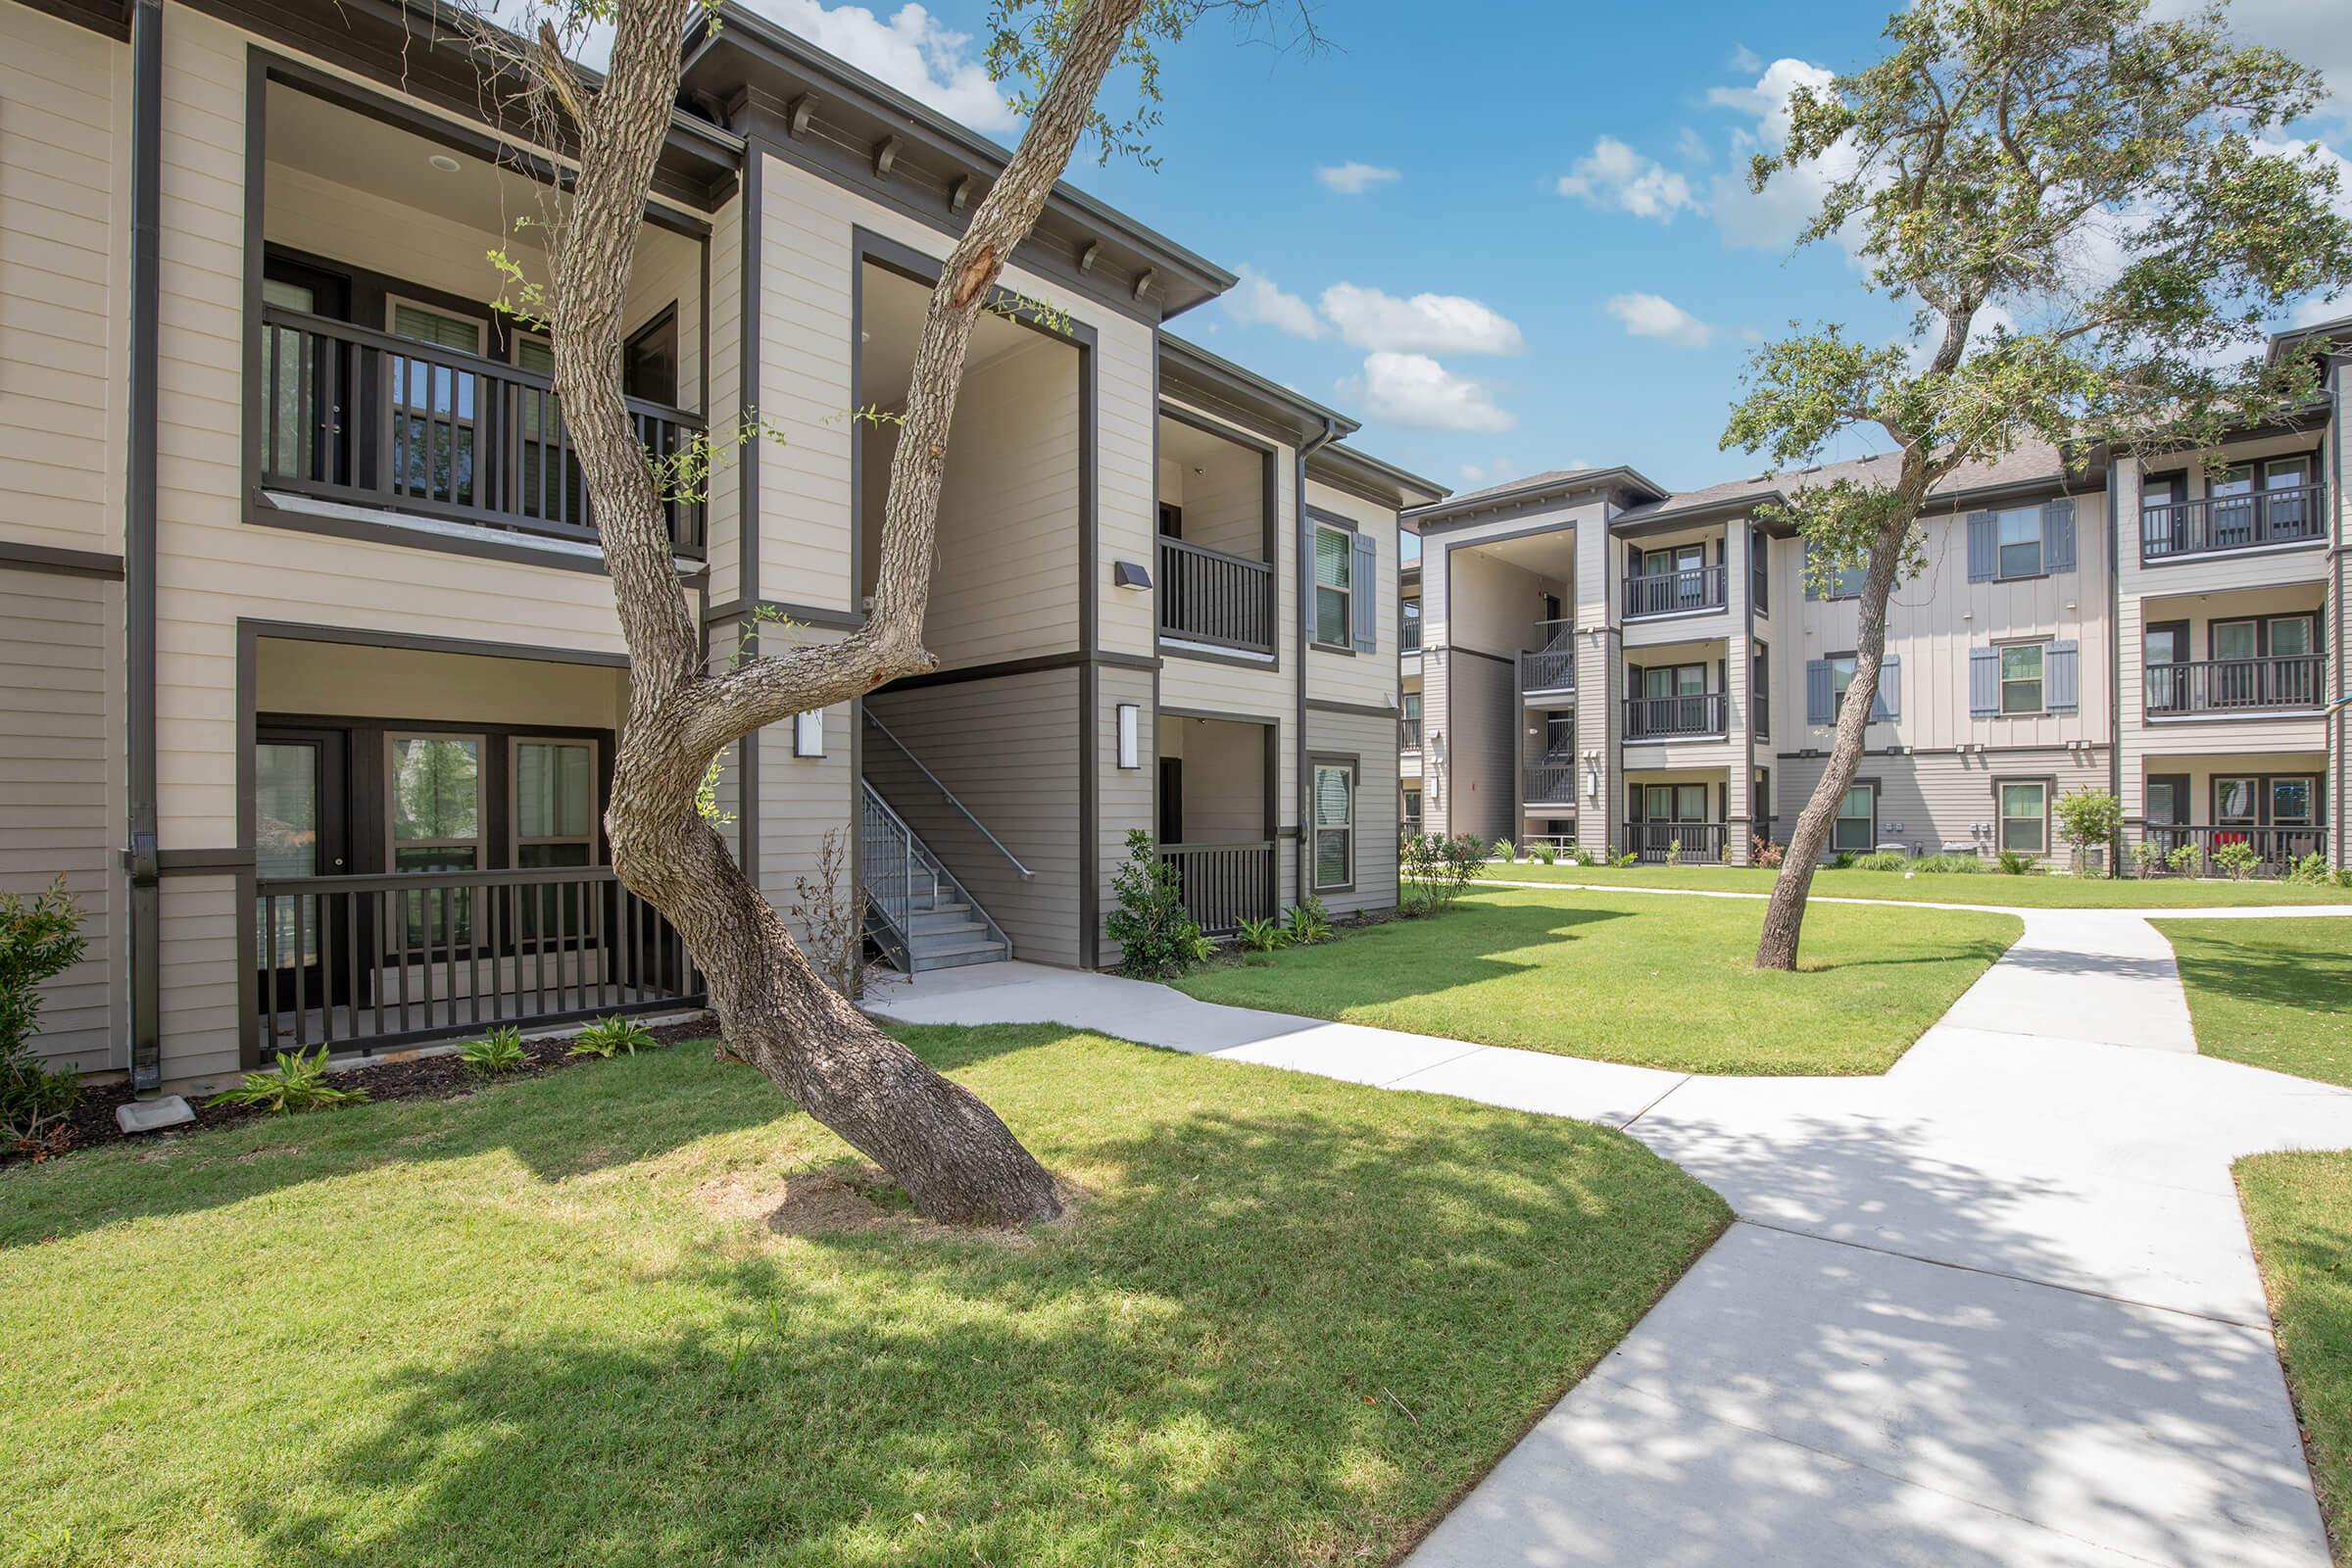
[1785,914]
[953,1154]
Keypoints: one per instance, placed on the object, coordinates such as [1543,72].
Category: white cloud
[1614,177]
[1257,300]
[911,50]
[1416,392]
[1431,323]
[1772,219]
[1353,179]
[1691,147]
[1502,471]
[1653,316]
[1745,61]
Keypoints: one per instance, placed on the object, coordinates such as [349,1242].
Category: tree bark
[953,1154]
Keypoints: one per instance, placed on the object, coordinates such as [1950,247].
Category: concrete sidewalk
[1994,1307]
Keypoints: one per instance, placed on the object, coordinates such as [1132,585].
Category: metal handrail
[899,932]
[952,799]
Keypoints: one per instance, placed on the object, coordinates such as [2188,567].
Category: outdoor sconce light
[1130,575]
[1593,777]
[1129,752]
[809,734]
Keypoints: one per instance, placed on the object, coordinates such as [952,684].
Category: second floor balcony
[1685,591]
[2282,684]
[1655,719]
[366,419]
[1207,595]
[2248,520]
[1548,668]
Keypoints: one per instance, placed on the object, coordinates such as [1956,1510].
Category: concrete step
[957,956]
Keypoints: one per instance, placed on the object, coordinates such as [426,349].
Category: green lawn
[2299,1212]
[2270,993]
[1621,977]
[548,1323]
[2043,892]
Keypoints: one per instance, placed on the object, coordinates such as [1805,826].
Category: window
[649,361]
[555,802]
[434,812]
[1334,825]
[1841,675]
[1412,626]
[2291,637]
[440,328]
[2017,535]
[2236,639]
[2290,803]
[2167,800]
[2021,678]
[1410,730]
[2233,800]
[1673,803]
[1332,598]
[1856,827]
[433,406]
[2025,825]
[1759,571]
[1759,691]
[1412,810]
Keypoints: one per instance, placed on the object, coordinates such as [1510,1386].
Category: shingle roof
[2031,462]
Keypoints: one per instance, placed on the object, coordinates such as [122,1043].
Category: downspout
[1303,796]
[138,544]
[2115,656]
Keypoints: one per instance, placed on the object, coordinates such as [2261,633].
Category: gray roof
[2031,463]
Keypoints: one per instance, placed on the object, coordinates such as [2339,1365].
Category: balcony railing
[372,961]
[370,419]
[1664,718]
[1408,734]
[1408,636]
[2233,686]
[1548,783]
[1206,596]
[1674,592]
[1551,665]
[1760,708]
[2278,847]
[2296,516]
[1655,842]
[1224,884]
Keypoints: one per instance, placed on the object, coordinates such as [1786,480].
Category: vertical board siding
[1125,795]
[1374,741]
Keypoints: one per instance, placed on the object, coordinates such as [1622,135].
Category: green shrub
[2148,856]
[1674,851]
[39,940]
[1545,854]
[2182,859]
[2238,859]
[1882,861]
[2015,862]
[1505,852]
[297,1083]
[1156,934]
[2311,872]
[1442,868]
[1310,924]
[1625,862]
[2088,818]
[1263,936]
[499,1050]
[608,1038]
[1950,865]
[1842,860]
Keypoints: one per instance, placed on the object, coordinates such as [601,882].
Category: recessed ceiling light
[444,163]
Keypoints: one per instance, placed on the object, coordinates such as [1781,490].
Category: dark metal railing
[1206,596]
[351,415]
[1408,635]
[1701,843]
[1224,884]
[1660,718]
[2278,847]
[1760,710]
[1408,734]
[1672,593]
[2293,516]
[2233,685]
[1548,783]
[372,961]
[1549,666]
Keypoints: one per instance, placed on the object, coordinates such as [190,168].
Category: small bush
[1545,854]
[2311,872]
[1882,861]
[1309,923]
[1263,936]
[1674,851]
[2088,818]
[2015,862]
[1442,868]
[1155,933]
[1625,862]
[39,940]
[2238,859]
[2182,859]
[1505,851]
[499,1050]
[611,1037]
[298,1083]
[1762,852]
[1950,865]
[1842,860]
[2148,856]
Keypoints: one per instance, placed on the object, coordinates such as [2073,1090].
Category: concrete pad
[1604,1092]
[2083,975]
[153,1115]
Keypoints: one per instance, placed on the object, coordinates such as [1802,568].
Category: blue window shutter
[1984,682]
[2061,685]
[1983,559]
[1888,705]
[1805,570]
[1363,591]
[1817,692]
[2058,536]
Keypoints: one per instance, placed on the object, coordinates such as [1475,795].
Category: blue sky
[1542,256]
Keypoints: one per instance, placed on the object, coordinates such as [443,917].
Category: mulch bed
[405,1077]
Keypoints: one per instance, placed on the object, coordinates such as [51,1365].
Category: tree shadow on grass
[2317,981]
[1277,1336]
[595,1116]
[1406,958]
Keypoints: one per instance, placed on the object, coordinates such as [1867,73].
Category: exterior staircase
[916,910]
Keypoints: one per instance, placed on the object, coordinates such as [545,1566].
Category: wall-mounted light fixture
[809,734]
[1130,742]
[1130,575]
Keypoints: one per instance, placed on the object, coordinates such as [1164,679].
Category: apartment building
[1612,663]
[312,678]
